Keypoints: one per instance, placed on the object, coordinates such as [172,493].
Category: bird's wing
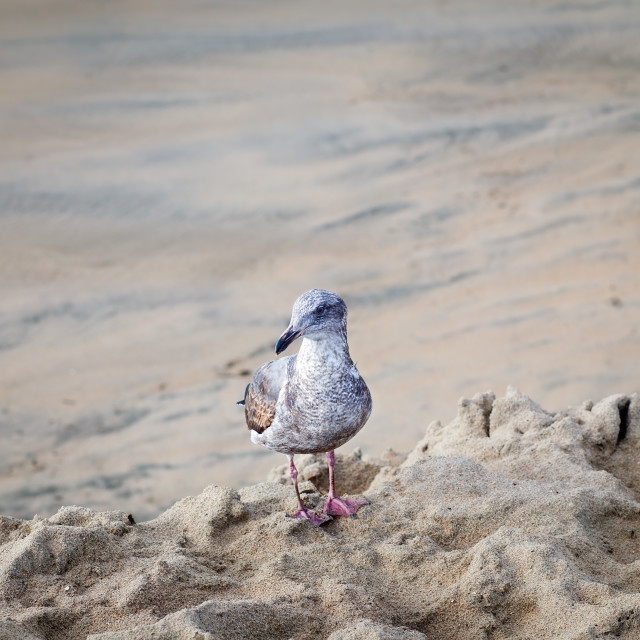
[262,393]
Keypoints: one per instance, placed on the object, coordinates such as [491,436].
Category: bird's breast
[336,399]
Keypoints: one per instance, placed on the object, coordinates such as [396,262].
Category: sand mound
[510,522]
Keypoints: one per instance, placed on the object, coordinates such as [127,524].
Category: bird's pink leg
[336,506]
[313,517]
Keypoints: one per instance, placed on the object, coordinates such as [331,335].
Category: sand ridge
[510,522]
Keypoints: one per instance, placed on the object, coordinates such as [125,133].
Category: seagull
[314,401]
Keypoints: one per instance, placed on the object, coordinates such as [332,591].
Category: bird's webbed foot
[335,506]
[315,518]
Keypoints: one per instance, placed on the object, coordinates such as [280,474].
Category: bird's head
[315,314]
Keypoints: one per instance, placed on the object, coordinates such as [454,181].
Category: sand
[174,174]
[509,522]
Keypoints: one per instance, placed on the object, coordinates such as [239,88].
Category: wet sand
[173,176]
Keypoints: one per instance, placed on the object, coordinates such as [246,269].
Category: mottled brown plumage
[261,396]
[259,411]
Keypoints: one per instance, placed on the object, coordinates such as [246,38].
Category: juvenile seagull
[314,401]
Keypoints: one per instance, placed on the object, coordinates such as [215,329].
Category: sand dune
[510,522]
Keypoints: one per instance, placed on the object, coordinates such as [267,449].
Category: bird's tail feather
[245,396]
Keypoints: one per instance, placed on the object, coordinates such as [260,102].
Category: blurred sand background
[174,174]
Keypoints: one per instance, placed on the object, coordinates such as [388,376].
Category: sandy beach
[465,175]
[173,176]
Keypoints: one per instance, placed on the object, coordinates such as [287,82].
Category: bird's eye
[321,309]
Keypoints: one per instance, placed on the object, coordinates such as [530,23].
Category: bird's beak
[287,338]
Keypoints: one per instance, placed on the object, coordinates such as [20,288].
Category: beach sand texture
[173,175]
[510,522]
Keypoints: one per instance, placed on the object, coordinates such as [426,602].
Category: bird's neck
[325,352]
